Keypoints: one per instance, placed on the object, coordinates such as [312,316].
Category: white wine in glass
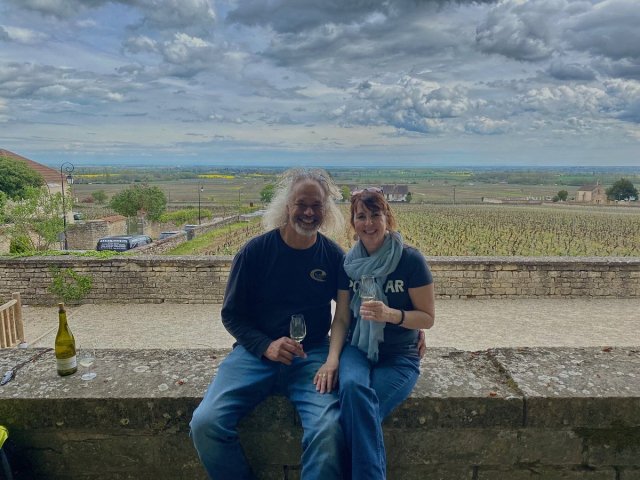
[367,288]
[297,327]
[86,358]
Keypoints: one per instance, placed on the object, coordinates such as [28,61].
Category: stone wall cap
[573,372]
[535,260]
[431,259]
[495,373]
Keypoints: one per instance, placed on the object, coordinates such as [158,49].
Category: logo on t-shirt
[318,275]
[392,286]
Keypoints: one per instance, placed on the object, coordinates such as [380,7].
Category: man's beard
[309,231]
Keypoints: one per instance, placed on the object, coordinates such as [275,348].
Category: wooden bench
[11,326]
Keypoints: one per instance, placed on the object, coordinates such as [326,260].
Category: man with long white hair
[291,269]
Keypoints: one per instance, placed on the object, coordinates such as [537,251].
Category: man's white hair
[276,215]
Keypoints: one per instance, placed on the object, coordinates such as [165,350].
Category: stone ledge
[575,412]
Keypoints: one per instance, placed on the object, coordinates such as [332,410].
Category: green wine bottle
[65,345]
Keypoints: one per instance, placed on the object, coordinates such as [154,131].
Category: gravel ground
[462,324]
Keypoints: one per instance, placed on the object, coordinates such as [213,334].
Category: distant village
[590,193]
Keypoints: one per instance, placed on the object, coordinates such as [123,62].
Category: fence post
[18,316]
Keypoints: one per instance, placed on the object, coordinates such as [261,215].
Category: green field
[445,217]
[230,188]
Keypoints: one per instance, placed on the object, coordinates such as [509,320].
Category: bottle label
[66,363]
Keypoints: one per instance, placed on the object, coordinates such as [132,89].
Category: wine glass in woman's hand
[367,288]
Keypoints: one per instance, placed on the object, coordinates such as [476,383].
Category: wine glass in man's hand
[297,327]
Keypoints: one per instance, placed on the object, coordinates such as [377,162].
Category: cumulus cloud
[50,83]
[182,55]
[3,107]
[451,69]
[186,56]
[609,29]
[519,30]
[625,68]
[21,35]
[176,14]
[51,91]
[58,8]
[565,99]
[162,14]
[486,126]
[625,95]
[86,23]
[140,43]
[186,49]
[613,99]
[410,104]
[294,16]
[571,71]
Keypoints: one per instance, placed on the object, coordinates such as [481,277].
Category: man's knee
[326,434]
[208,423]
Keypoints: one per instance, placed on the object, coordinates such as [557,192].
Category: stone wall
[159,247]
[85,235]
[530,277]
[202,279]
[502,414]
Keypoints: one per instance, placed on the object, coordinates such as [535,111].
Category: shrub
[20,244]
[69,286]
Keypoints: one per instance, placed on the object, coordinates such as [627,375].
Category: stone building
[592,194]
[395,192]
[392,192]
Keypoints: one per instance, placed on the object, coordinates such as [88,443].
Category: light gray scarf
[368,334]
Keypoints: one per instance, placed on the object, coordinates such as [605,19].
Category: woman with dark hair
[376,356]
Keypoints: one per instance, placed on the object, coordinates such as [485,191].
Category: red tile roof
[50,175]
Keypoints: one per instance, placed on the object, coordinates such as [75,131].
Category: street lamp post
[66,168]
[200,190]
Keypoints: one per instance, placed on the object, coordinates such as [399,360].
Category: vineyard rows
[521,231]
[230,242]
[480,230]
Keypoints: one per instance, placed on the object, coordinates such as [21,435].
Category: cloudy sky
[332,82]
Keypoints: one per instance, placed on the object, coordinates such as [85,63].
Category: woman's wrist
[398,317]
[333,359]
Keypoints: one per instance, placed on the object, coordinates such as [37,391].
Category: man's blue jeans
[244,380]
[368,393]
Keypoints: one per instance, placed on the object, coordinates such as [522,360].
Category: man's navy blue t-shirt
[270,281]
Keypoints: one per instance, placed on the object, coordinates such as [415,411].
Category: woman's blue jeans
[244,380]
[368,393]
